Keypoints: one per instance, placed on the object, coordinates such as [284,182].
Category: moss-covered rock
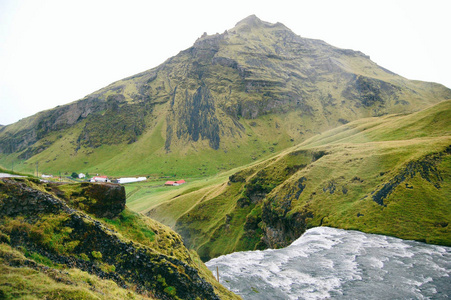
[43,225]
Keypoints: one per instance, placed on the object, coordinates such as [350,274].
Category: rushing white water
[339,264]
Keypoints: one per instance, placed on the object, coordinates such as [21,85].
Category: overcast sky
[55,52]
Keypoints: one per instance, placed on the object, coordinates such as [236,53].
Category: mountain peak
[205,97]
[251,20]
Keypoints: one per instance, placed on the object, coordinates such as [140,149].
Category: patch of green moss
[49,231]
[4,238]
[171,291]
[96,254]
[39,258]
[42,282]
[133,225]
[107,268]
[84,256]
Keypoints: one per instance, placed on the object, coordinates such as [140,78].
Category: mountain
[228,100]
[389,175]
[79,241]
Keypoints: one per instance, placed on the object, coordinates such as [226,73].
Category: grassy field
[145,196]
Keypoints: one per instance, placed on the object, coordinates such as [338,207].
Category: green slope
[388,175]
[228,100]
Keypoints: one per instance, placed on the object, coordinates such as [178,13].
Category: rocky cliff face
[196,119]
[37,127]
[44,225]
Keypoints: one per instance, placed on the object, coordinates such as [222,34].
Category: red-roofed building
[99,179]
[174,183]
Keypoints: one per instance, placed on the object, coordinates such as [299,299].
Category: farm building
[100,179]
[174,183]
[130,179]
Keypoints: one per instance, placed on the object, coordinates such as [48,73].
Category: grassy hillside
[76,241]
[388,175]
[147,155]
[227,101]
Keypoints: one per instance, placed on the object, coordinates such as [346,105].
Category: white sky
[57,51]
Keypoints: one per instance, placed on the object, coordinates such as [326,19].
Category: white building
[130,179]
[99,179]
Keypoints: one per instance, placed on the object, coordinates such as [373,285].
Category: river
[329,263]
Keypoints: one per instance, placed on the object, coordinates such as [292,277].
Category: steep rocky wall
[16,137]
